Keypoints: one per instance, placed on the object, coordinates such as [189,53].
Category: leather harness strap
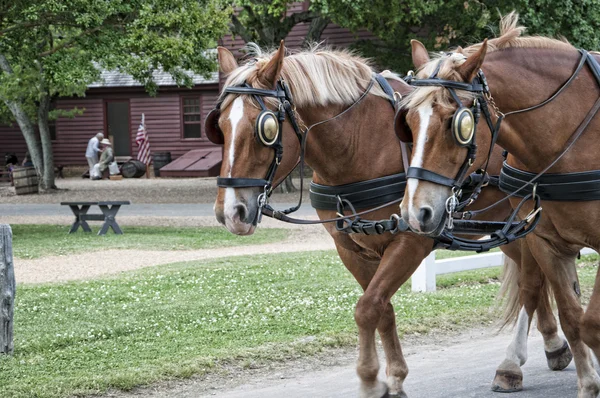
[572,187]
[362,194]
[431,176]
[580,186]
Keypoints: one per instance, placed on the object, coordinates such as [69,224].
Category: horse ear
[227,62]
[471,66]
[269,73]
[420,56]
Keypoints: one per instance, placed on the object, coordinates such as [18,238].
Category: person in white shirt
[92,150]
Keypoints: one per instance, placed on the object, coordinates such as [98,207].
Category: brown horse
[359,146]
[521,72]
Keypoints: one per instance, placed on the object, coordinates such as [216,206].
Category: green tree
[51,48]
[268,22]
[441,24]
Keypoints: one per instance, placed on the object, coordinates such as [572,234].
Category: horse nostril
[425,214]
[241,212]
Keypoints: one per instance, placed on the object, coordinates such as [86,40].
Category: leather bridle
[283,95]
[479,88]
[286,107]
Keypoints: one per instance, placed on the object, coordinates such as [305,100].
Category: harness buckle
[451,204]
[532,214]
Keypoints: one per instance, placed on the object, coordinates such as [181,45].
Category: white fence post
[423,280]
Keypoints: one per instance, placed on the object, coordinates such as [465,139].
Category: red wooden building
[174,118]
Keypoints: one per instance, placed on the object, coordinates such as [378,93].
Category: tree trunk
[7,290]
[47,181]
[315,30]
[25,124]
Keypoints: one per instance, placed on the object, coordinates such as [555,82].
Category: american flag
[144,145]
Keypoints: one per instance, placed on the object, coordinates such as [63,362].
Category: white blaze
[236,114]
[425,113]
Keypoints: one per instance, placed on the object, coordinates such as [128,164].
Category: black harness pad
[362,195]
[572,187]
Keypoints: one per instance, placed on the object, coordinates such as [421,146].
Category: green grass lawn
[186,319]
[33,241]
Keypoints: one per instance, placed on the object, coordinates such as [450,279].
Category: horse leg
[400,259]
[559,269]
[556,348]
[367,368]
[396,368]
[523,294]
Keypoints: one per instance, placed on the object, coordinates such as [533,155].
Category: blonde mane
[510,37]
[316,77]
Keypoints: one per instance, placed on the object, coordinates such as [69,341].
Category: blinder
[401,128]
[211,126]
[463,126]
[267,128]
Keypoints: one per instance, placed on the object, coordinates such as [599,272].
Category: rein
[585,58]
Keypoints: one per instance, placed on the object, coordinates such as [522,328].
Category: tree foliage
[441,24]
[268,22]
[51,48]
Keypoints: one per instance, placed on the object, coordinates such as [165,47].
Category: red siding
[11,140]
[72,135]
[163,123]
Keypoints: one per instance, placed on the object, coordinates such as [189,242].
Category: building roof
[117,79]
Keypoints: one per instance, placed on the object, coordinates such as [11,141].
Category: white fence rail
[424,278]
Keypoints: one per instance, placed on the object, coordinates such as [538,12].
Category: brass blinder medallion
[267,128]
[463,126]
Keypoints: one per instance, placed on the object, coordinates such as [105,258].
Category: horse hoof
[378,390]
[401,394]
[559,359]
[507,381]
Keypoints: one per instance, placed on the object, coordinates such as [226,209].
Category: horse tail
[509,292]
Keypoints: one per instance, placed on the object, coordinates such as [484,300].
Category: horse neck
[358,146]
[522,77]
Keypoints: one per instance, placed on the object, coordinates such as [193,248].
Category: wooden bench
[109,214]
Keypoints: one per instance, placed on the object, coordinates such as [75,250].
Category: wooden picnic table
[109,214]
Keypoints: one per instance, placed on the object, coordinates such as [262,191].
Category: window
[52,122]
[191,117]
[52,128]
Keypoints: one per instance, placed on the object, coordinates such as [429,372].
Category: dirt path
[90,265]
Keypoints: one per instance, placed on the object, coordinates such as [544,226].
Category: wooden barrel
[25,180]
[160,159]
[133,169]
